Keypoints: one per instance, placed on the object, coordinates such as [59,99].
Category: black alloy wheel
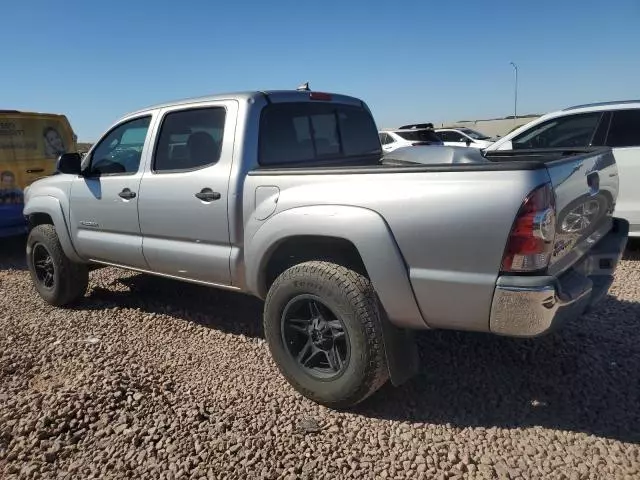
[315,337]
[44,267]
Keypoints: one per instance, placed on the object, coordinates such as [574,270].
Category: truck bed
[446,159]
[451,222]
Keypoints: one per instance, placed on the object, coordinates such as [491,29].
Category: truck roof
[275,96]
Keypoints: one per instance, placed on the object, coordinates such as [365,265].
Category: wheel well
[36,219]
[295,250]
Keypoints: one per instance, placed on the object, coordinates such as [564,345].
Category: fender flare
[364,228]
[51,206]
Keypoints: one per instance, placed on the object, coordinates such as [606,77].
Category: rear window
[313,132]
[420,136]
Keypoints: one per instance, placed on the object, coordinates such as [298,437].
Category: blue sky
[410,61]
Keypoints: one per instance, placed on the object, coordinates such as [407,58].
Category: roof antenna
[304,87]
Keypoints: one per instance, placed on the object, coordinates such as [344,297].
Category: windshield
[419,136]
[474,134]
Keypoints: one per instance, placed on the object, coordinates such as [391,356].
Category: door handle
[35,170]
[127,194]
[208,195]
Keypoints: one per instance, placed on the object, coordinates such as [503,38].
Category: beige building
[493,127]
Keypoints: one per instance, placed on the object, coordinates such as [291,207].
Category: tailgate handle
[593,181]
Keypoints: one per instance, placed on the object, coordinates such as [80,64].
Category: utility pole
[515,101]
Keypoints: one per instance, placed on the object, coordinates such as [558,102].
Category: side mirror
[69,163]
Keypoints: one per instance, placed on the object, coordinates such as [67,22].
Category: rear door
[104,202]
[624,137]
[184,193]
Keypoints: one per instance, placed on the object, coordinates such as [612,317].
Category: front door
[184,194]
[104,201]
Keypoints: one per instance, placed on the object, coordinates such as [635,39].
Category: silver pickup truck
[285,195]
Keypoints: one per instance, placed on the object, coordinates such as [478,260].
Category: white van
[613,124]
[30,143]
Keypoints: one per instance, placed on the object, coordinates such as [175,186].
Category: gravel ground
[148,378]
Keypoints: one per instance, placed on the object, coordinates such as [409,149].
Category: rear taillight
[530,243]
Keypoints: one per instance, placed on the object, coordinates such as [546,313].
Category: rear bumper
[531,306]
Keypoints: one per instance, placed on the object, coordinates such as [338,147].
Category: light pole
[515,102]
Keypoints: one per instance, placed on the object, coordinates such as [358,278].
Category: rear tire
[58,280]
[347,335]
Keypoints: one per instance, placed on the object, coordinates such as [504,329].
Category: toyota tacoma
[287,196]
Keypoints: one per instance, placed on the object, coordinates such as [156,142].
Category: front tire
[58,280]
[323,327]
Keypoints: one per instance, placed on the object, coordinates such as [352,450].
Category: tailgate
[586,188]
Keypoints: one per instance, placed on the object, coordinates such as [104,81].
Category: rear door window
[304,132]
[190,139]
[625,129]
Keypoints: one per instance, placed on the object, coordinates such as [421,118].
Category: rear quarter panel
[450,227]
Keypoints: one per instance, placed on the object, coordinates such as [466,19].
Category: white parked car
[407,136]
[613,124]
[464,137]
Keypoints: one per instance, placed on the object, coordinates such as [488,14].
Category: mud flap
[401,351]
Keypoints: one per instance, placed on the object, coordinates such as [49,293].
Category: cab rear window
[315,132]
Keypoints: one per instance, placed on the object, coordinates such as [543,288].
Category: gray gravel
[148,378]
